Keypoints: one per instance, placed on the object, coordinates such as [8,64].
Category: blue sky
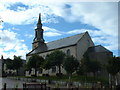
[60,19]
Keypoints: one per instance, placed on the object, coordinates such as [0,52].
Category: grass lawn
[73,78]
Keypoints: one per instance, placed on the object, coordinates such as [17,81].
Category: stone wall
[83,45]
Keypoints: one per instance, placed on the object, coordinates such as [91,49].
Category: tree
[17,63]
[35,61]
[80,70]
[84,64]
[113,67]
[90,65]
[70,64]
[47,63]
[9,64]
[56,59]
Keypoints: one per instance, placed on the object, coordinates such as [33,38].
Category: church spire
[38,33]
[39,24]
[39,19]
[2,57]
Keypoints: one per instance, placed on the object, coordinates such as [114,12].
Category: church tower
[38,40]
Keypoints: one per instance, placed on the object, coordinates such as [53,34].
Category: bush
[47,75]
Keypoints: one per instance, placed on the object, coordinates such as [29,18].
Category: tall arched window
[68,52]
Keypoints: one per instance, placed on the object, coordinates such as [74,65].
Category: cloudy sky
[60,19]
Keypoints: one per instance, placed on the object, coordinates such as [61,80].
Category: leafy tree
[9,63]
[80,70]
[17,63]
[113,67]
[56,59]
[94,66]
[70,64]
[47,63]
[35,61]
[90,65]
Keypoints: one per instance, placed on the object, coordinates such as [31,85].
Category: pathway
[12,83]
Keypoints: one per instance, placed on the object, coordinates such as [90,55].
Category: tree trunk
[94,75]
[59,69]
[48,71]
[114,80]
[94,79]
[111,82]
[35,72]
[17,72]
[70,82]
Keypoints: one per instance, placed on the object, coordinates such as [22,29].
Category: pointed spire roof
[39,19]
[2,57]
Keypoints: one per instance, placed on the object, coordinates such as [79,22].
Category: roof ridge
[66,37]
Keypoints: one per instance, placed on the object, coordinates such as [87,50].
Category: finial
[39,20]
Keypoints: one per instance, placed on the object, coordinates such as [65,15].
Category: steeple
[39,19]
[39,24]
[38,40]
[2,57]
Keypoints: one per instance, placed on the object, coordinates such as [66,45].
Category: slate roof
[64,42]
[98,48]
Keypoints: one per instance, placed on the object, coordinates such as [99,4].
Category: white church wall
[83,45]
[72,50]
[64,49]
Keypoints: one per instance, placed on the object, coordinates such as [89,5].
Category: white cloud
[76,31]
[103,16]
[1,26]
[98,37]
[51,32]
[10,45]
[23,15]
[29,35]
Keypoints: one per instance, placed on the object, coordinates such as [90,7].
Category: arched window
[68,52]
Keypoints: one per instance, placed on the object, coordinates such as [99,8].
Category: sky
[60,19]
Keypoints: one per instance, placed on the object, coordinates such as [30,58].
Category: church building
[75,45]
